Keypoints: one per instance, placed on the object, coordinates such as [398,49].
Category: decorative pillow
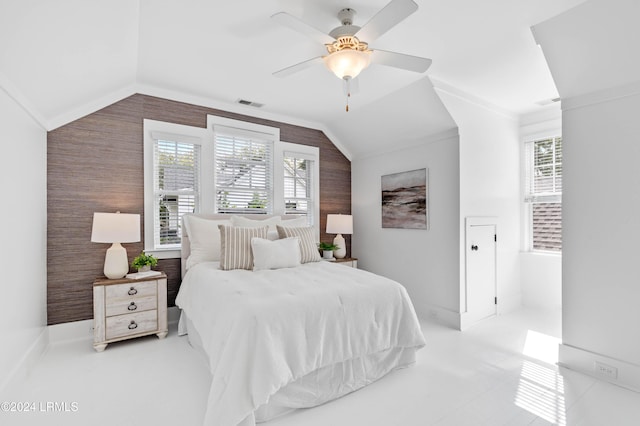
[235,246]
[204,238]
[245,222]
[298,222]
[284,253]
[308,247]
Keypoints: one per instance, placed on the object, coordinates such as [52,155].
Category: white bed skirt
[322,385]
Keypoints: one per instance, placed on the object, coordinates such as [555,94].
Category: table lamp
[115,228]
[340,224]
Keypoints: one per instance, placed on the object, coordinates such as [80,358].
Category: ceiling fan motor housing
[347,28]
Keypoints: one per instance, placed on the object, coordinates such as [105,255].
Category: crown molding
[14,93]
[242,109]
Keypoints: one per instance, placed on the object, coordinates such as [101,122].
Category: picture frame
[405,200]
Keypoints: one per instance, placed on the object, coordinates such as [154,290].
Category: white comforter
[262,330]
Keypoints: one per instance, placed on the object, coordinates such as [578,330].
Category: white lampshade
[115,228]
[347,62]
[340,224]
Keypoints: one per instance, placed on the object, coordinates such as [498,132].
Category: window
[543,193]
[176,187]
[243,165]
[174,182]
[229,167]
[298,189]
[297,184]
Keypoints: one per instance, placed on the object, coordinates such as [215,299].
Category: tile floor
[500,372]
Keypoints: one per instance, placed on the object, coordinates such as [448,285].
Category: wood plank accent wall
[95,164]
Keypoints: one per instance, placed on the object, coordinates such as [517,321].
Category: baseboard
[55,334]
[509,303]
[468,320]
[583,361]
[28,361]
[173,314]
[505,305]
[70,331]
[441,315]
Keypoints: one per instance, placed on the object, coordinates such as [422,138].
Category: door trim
[467,319]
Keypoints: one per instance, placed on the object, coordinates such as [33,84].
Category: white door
[481,271]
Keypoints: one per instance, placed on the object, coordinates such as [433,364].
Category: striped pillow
[235,246]
[308,247]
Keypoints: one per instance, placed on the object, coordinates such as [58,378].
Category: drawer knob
[132,291]
[132,306]
[133,325]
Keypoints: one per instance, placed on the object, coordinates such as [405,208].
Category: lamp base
[116,264]
[340,252]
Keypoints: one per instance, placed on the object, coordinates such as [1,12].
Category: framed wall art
[405,201]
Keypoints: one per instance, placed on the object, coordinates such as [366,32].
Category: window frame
[205,137]
[178,133]
[529,200]
[243,129]
[312,153]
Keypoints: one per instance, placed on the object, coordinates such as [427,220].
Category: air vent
[548,101]
[250,103]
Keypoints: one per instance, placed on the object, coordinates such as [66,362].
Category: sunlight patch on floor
[541,347]
[541,392]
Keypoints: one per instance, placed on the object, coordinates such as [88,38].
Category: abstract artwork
[405,201]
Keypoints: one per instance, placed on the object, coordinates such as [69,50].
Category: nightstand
[348,261]
[126,308]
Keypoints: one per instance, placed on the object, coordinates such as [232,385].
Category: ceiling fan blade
[285,72]
[400,60]
[302,27]
[390,15]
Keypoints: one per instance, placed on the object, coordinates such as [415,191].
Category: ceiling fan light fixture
[347,63]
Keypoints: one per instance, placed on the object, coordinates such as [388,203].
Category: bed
[285,335]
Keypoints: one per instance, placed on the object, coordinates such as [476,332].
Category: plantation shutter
[543,190]
[176,185]
[298,184]
[243,171]
[543,170]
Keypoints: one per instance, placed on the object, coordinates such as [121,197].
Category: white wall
[426,262]
[587,49]
[474,174]
[601,228]
[541,280]
[23,256]
[489,186]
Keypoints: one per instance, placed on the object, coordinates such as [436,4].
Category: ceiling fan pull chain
[348,80]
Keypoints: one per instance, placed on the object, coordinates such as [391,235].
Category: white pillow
[298,222]
[204,238]
[308,247]
[284,253]
[243,222]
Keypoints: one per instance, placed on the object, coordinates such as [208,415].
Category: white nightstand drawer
[131,324]
[126,308]
[130,305]
[126,291]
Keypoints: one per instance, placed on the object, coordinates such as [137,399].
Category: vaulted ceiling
[63,59]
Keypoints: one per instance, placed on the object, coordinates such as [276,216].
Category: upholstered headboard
[186,246]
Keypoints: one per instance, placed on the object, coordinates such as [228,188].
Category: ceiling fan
[347,51]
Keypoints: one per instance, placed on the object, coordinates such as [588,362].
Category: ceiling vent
[250,103]
[548,101]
